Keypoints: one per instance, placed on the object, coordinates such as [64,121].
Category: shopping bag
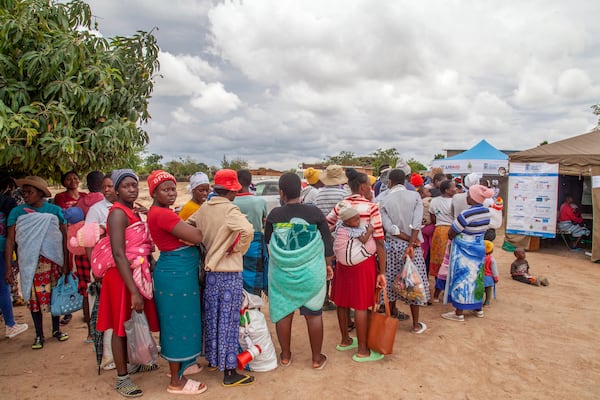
[382,328]
[65,296]
[408,283]
[254,333]
[141,347]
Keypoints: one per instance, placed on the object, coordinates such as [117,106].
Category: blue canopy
[481,151]
[482,158]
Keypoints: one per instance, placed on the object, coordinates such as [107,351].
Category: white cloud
[183,75]
[181,116]
[300,80]
[214,99]
[574,83]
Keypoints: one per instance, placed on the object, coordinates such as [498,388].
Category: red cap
[227,179]
[156,178]
[416,180]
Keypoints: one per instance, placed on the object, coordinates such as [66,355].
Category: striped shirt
[327,197]
[472,221]
[369,214]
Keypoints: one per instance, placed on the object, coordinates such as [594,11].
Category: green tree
[183,168]
[235,164]
[388,156]
[439,156]
[152,162]
[70,99]
[596,108]
[416,166]
[344,158]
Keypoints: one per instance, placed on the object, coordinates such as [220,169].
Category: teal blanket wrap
[297,270]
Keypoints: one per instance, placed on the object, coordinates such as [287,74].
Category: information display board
[532,199]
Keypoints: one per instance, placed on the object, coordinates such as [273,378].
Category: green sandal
[127,388]
[38,343]
[61,336]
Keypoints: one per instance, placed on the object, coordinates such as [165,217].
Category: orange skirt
[438,248]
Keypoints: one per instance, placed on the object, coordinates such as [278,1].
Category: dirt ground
[533,343]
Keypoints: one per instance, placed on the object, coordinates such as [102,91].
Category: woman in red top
[569,220]
[69,197]
[176,287]
[120,295]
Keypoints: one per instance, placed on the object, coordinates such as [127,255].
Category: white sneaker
[453,317]
[12,331]
[478,313]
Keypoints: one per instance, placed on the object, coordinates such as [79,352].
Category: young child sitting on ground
[353,244]
[491,273]
[519,270]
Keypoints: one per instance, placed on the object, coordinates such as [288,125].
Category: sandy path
[534,343]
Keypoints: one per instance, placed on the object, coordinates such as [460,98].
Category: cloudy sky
[278,82]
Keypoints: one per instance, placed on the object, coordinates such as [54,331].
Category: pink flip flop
[190,387]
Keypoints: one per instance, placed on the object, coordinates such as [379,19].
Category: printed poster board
[532,199]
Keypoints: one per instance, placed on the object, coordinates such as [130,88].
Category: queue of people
[330,245]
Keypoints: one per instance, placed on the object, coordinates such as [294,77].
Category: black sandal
[400,315]
[241,380]
[61,336]
[66,319]
[38,343]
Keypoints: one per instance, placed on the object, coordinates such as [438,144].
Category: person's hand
[495,279]
[137,302]
[329,272]
[137,207]
[410,252]
[381,282]
[8,277]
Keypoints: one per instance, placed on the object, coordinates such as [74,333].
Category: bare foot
[321,363]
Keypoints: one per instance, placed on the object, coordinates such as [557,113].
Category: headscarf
[198,179]
[119,174]
[471,179]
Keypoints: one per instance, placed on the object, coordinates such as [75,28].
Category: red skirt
[354,287]
[115,305]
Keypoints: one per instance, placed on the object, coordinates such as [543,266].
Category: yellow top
[188,209]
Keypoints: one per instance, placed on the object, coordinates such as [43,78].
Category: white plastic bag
[141,347]
[254,331]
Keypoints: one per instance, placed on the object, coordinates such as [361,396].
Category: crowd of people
[337,237]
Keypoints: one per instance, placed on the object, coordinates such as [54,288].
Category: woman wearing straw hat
[42,251]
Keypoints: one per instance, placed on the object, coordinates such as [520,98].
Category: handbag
[382,328]
[65,296]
